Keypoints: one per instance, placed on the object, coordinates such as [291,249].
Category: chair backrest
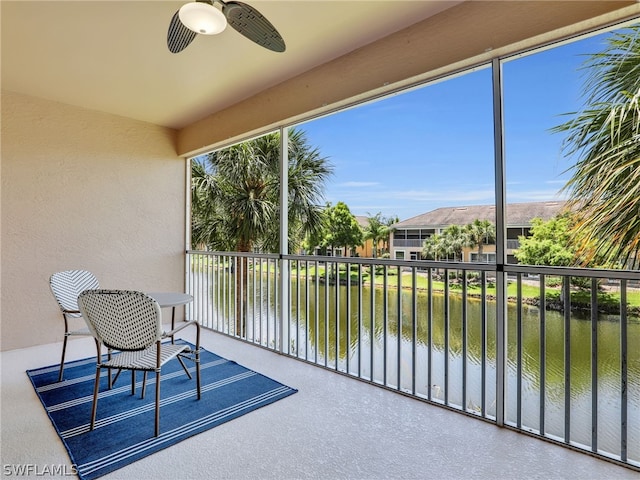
[122,319]
[67,285]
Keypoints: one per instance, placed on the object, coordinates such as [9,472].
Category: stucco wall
[83,190]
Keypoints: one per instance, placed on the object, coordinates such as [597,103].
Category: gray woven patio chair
[131,322]
[66,286]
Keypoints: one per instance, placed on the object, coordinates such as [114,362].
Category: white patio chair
[66,286]
[131,322]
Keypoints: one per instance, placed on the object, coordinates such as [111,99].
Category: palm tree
[454,239]
[448,243]
[478,233]
[376,231]
[434,247]
[605,138]
[203,218]
[236,195]
[388,230]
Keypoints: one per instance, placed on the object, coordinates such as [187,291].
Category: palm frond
[604,139]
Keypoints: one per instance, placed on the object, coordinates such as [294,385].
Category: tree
[376,231]
[343,229]
[549,243]
[316,238]
[605,139]
[236,195]
[454,239]
[445,245]
[434,247]
[388,223]
[478,233]
[205,220]
[552,243]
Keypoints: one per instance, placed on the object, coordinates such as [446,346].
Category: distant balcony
[565,372]
[402,242]
[513,244]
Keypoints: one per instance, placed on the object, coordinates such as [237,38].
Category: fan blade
[178,37]
[249,22]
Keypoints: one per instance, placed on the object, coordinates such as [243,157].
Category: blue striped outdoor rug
[125,423]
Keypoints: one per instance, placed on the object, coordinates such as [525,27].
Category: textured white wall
[83,190]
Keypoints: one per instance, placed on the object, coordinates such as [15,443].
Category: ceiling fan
[202,16]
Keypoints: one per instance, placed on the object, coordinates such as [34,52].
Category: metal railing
[567,359]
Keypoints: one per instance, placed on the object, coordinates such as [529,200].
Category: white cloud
[408,203]
[358,184]
[535,196]
[445,196]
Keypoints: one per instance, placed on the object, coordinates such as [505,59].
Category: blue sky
[433,146]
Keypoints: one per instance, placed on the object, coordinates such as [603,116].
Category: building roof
[518,215]
[362,221]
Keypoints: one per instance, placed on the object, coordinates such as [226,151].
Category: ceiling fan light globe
[202,18]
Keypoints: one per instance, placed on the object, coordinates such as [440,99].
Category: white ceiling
[112,55]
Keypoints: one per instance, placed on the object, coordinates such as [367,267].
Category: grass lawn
[528,291]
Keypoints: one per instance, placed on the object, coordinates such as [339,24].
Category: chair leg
[144,383]
[184,367]
[133,382]
[111,382]
[64,350]
[197,357]
[198,372]
[157,429]
[96,391]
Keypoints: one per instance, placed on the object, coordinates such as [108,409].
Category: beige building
[410,234]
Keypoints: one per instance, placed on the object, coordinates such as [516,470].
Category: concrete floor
[334,428]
